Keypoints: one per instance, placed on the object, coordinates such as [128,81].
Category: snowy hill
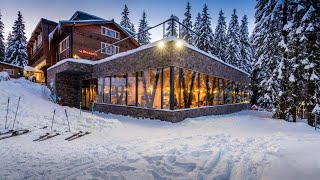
[245,145]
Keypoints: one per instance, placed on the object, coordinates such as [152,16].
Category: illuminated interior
[151,89]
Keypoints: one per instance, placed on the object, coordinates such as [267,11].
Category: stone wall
[68,88]
[170,116]
[169,56]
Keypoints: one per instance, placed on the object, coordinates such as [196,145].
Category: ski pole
[65,110]
[79,124]
[54,112]
[91,123]
[15,116]
[5,125]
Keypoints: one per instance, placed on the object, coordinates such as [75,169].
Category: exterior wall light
[161,44]
[179,44]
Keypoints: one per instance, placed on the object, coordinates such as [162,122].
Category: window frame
[117,33]
[115,48]
[9,71]
[67,44]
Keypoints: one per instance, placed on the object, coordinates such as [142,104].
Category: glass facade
[153,89]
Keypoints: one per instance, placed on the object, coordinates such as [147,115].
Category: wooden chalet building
[83,36]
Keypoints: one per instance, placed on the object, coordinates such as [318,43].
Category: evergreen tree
[143,38]
[172,29]
[9,43]
[125,22]
[220,37]
[233,36]
[206,36]
[196,29]
[245,46]
[2,45]
[17,48]
[185,31]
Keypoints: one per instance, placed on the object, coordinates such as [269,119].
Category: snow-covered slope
[245,145]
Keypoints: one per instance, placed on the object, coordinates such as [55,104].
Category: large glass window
[203,100]
[131,89]
[149,88]
[166,88]
[238,93]
[109,49]
[212,91]
[189,88]
[106,96]
[221,91]
[118,89]
[227,92]
[100,90]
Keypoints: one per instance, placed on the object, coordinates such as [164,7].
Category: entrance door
[88,93]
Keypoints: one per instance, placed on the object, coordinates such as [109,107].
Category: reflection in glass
[221,91]
[189,88]
[203,100]
[149,88]
[118,89]
[100,90]
[106,96]
[166,88]
[131,89]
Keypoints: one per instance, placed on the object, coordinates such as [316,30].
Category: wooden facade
[13,71]
[81,37]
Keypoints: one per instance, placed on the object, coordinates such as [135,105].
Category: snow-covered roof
[126,53]
[32,69]
[126,31]
[11,65]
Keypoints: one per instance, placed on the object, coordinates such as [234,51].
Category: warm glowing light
[41,64]
[161,44]
[179,44]
[75,56]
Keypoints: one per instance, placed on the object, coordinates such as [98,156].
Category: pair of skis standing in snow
[13,133]
[70,138]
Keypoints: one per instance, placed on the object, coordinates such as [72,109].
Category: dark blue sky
[157,10]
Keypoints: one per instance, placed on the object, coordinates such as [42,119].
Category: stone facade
[171,116]
[141,60]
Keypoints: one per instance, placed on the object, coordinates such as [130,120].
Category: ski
[75,134]
[78,136]
[49,136]
[40,137]
[15,133]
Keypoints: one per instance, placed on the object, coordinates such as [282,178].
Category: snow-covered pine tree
[196,28]
[264,82]
[9,43]
[220,37]
[17,48]
[233,36]
[143,38]
[245,46]
[172,29]
[125,22]
[305,51]
[2,45]
[206,35]
[185,31]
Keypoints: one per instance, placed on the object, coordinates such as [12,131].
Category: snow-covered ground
[244,145]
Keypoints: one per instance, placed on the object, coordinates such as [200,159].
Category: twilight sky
[157,10]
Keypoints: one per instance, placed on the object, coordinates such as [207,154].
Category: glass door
[88,93]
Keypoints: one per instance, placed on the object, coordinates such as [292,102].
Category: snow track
[246,145]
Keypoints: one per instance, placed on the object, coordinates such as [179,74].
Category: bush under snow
[4,76]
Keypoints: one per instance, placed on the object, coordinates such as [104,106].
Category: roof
[42,20]
[11,65]
[169,39]
[84,16]
[32,69]
[92,21]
